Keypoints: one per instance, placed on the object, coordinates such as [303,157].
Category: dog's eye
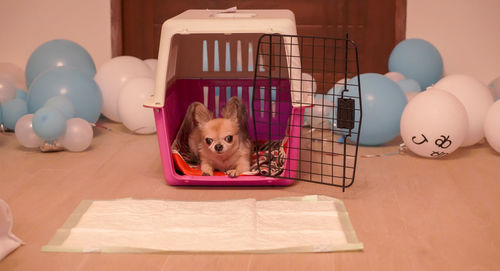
[208,140]
[229,138]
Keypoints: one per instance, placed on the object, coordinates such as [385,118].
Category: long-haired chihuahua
[221,144]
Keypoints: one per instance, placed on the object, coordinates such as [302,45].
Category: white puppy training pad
[295,224]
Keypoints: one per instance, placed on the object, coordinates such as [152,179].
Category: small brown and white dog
[221,144]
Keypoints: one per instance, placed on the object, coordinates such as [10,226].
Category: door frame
[117,31]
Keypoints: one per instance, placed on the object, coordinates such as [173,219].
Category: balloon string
[402,150]
[100,126]
[135,130]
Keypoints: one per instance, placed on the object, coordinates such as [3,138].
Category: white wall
[466,33]
[26,24]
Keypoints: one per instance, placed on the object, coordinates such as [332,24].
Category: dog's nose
[219,147]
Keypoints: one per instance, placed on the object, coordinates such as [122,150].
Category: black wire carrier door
[306,108]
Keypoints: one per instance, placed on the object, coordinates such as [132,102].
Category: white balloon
[320,114]
[13,73]
[476,98]
[7,90]
[411,94]
[434,124]
[25,134]
[152,63]
[308,83]
[133,114]
[112,76]
[492,126]
[78,135]
[395,76]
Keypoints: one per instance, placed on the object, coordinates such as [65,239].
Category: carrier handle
[233,13]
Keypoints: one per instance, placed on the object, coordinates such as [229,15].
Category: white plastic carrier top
[270,21]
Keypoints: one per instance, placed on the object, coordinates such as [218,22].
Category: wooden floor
[411,213]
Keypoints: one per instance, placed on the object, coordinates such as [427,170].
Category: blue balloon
[13,110]
[49,123]
[21,94]
[382,103]
[80,88]
[63,104]
[57,53]
[409,85]
[417,59]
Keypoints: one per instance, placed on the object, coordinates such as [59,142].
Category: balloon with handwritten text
[434,124]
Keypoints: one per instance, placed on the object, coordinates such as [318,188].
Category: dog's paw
[233,173]
[206,169]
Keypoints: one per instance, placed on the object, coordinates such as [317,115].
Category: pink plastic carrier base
[214,93]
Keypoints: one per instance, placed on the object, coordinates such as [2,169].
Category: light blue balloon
[13,110]
[409,85]
[417,59]
[57,53]
[382,103]
[63,104]
[21,94]
[49,123]
[80,88]
[333,92]
[494,86]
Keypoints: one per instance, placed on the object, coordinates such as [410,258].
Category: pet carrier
[211,55]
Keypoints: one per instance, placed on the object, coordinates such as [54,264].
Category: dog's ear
[200,113]
[235,110]
[196,114]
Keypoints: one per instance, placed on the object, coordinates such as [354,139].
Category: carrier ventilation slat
[227,53]
[216,56]
[239,65]
[229,94]
[228,57]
